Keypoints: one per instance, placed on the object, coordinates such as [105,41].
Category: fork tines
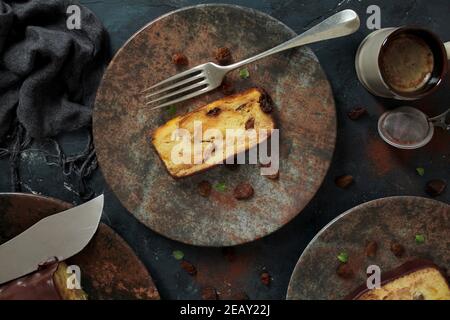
[182,86]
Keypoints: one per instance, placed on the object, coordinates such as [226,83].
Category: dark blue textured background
[279,252]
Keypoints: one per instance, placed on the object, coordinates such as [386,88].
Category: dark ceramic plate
[388,220]
[110,269]
[305,114]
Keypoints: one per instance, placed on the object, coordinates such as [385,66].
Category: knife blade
[61,235]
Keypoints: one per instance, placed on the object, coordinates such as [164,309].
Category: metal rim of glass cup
[420,144]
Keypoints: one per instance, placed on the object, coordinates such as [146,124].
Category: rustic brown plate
[122,126]
[387,220]
[110,269]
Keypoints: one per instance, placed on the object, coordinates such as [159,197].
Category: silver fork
[208,76]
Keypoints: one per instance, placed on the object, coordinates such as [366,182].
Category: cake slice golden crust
[414,280]
[246,113]
[60,278]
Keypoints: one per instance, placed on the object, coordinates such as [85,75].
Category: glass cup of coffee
[404,63]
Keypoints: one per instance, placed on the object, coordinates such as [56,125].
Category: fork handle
[338,25]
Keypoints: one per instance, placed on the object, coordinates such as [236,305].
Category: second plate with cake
[403,239]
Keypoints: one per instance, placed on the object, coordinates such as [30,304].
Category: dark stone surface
[378,170]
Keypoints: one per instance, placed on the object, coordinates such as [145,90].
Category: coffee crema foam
[407,63]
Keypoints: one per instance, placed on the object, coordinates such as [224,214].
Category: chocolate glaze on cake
[36,286]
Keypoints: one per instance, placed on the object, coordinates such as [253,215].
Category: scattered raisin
[344,181]
[357,113]
[243,191]
[250,124]
[435,187]
[223,56]
[213,112]
[266,103]
[180,59]
[188,267]
[227,87]
[344,271]
[265,278]
[397,249]
[204,188]
[209,293]
[371,249]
